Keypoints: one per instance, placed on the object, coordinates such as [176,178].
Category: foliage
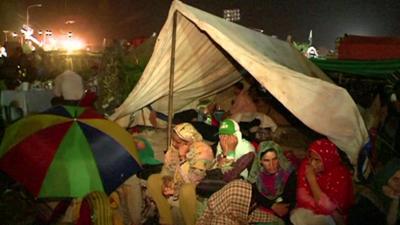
[121,67]
[118,70]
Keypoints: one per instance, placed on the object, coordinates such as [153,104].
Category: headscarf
[99,207]
[381,178]
[242,148]
[270,185]
[335,180]
[187,132]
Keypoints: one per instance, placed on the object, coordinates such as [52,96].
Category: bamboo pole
[171,80]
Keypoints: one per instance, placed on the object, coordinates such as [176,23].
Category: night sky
[96,19]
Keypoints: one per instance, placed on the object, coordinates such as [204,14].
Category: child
[168,186]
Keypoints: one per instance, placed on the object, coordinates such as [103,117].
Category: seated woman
[324,188]
[267,199]
[175,188]
[99,209]
[273,179]
[183,136]
[379,203]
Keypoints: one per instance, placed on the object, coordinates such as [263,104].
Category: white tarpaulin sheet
[207,49]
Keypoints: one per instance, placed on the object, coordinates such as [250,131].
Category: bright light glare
[50,44]
[72,45]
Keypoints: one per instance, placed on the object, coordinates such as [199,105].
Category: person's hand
[389,192]
[222,160]
[281,209]
[228,143]
[232,141]
[223,141]
[171,156]
[153,118]
[310,173]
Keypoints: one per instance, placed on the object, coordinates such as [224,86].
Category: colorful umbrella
[68,151]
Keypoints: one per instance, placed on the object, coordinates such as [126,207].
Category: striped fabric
[259,216]
[230,206]
[100,209]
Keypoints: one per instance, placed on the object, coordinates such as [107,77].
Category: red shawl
[335,182]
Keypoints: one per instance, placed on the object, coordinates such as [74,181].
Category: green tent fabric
[381,69]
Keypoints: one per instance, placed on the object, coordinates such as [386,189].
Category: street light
[27,12]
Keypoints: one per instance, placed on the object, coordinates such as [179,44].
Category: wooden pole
[171,80]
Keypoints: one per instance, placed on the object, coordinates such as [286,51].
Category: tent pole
[171,80]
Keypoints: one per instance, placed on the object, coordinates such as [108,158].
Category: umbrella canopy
[68,151]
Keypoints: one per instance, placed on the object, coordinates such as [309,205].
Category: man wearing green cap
[234,155]
[232,147]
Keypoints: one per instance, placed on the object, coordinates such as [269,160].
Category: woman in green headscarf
[273,181]
[379,203]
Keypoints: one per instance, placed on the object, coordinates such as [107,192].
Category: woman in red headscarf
[324,188]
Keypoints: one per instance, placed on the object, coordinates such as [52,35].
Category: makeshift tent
[202,62]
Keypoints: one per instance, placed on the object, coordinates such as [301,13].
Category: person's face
[316,162]
[228,142]
[270,162]
[394,182]
[227,137]
[168,189]
[181,145]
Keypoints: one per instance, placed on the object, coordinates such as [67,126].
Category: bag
[212,182]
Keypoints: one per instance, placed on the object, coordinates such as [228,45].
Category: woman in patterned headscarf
[183,136]
[188,175]
[379,202]
[265,200]
[324,188]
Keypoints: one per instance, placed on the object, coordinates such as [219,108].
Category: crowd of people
[239,182]
[235,181]
[218,171]
[258,183]
[263,187]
